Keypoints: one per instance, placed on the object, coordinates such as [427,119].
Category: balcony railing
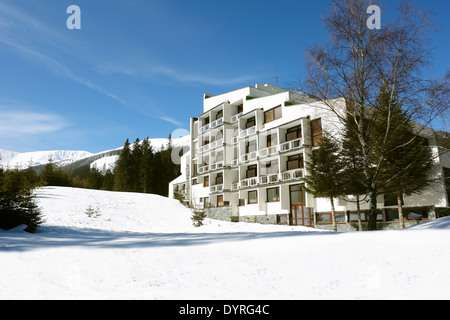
[217,165]
[291,145]
[249,182]
[292,174]
[271,178]
[216,188]
[236,117]
[211,125]
[217,123]
[213,145]
[234,186]
[204,128]
[203,169]
[247,132]
[269,151]
[249,156]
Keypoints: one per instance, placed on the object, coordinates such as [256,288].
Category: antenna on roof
[276,78]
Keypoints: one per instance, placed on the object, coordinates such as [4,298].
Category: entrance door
[300,215]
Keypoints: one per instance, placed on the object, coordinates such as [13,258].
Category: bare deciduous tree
[359,61]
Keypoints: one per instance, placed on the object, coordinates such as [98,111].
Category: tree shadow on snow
[59,237]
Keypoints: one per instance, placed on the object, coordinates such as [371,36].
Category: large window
[293,133]
[273,194]
[251,122]
[253,197]
[272,139]
[316,131]
[272,114]
[206,181]
[294,162]
[251,171]
[219,178]
[250,146]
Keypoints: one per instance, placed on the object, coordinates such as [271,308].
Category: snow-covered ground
[145,247]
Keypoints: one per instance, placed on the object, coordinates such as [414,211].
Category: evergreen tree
[17,201]
[146,168]
[325,173]
[122,170]
[135,166]
[407,161]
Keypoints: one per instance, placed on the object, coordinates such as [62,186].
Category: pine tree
[146,168]
[135,166]
[325,173]
[122,169]
[407,161]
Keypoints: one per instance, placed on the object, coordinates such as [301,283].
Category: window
[240,108]
[390,199]
[206,121]
[220,202]
[251,146]
[206,181]
[219,178]
[325,217]
[219,156]
[273,194]
[253,197]
[272,114]
[251,171]
[293,133]
[316,131]
[219,114]
[270,167]
[272,140]
[294,162]
[250,123]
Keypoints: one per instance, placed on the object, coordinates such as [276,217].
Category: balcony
[236,117]
[291,145]
[217,165]
[235,186]
[216,123]
[249,157]
[213,145]
[216,188]
[269,151]
[203,169]
[292,174]
[204,128]
[211,125]
[271,178]
[249,182]
[247,132]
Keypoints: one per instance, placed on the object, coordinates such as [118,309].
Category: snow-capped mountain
[12,159]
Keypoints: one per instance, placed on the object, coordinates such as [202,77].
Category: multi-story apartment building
[247,158]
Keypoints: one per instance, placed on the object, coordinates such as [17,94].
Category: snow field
[145,247]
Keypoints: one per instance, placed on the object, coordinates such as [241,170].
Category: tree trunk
[333,215]
[358,209]
[372,225]
[400,211]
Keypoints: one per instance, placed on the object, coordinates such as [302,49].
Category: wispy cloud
[147,71]
[20,123]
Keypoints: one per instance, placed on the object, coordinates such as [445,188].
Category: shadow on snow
[58,237]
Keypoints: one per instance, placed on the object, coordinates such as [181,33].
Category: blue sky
[139,68]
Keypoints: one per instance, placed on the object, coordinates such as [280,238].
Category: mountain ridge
[75,158]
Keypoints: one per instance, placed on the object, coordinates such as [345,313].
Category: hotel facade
[247,161]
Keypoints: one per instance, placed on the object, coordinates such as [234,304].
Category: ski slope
[144,247]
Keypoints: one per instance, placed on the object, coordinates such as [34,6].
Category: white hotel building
[247,160]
